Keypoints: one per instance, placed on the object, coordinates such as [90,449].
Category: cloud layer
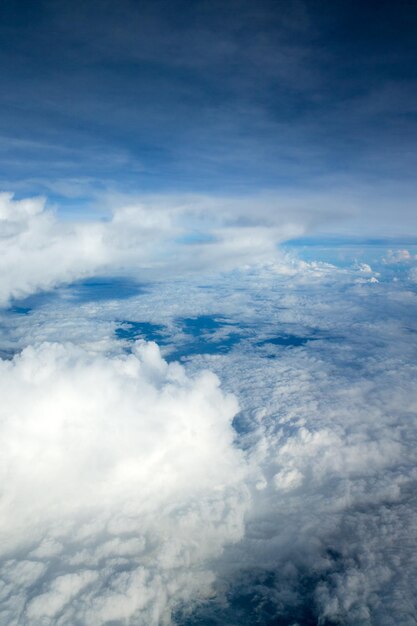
[126,494]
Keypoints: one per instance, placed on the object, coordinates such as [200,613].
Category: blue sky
[302,99]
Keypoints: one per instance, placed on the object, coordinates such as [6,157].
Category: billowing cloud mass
[120,482]
[158,236]
[38,251]
[136,491]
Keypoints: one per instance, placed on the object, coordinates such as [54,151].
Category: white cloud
[120,483]
[38,251]
[399,256]
[413,274]
[151,237]
[330,425]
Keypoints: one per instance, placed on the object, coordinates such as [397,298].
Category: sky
[308,103]
[208,296]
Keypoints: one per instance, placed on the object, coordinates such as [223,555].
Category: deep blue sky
[233,97]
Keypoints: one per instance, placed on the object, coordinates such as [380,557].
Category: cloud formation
[140,517]
[155,237]
[39,252]
[120,483]
[329,537]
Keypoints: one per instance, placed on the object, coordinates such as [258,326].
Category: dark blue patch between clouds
[287,340]
[203,323]
[131,331]
[198,331]
[199,336]
[19,310]
[252,602]
[81,292]
[105,288]
[201,331]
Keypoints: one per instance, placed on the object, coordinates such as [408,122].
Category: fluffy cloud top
[120,481]
[38,251]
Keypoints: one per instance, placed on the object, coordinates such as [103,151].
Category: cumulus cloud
[152,237]
[120,484]
[399,256]
[413,275]
[38,251]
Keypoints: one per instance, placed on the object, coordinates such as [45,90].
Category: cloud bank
[329,538]
[124,496]
[153,238]
[120,483]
